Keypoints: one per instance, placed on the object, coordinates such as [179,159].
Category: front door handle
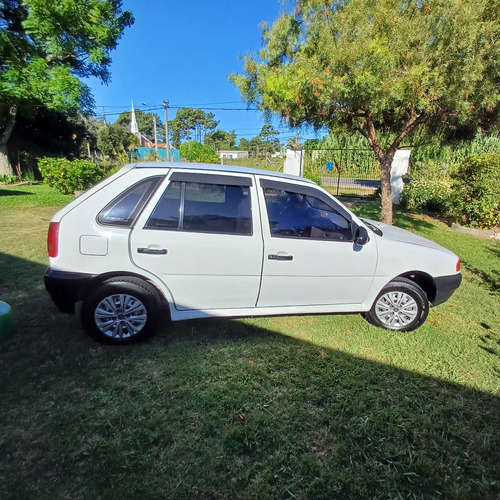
[279,256]
[153,251]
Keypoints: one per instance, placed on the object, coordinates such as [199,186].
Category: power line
[159,108]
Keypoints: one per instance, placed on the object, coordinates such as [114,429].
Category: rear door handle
[153,251]
[274,256]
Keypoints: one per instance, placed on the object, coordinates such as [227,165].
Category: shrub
[476,189]
[429,190]
[9,179]
[70,176]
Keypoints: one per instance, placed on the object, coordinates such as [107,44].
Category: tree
[144,123]
[189,120]
[381,68]
[244,145]
[220,139]
[268,139]
[293,143]
[114,140]
[266,142]
[45,46]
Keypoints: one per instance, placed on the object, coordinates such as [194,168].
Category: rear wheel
[121,311]
[401,306]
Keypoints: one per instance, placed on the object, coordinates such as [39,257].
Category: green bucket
[5,320]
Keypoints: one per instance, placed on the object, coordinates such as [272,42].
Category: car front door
[201,239]
[310,257]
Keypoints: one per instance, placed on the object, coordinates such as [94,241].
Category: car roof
[215,168]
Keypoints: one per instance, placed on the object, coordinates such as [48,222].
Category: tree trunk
[367,130]
[5,166]
[385,184]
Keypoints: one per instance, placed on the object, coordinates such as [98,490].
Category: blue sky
[183,52]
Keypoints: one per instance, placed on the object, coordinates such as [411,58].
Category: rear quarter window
[124,209]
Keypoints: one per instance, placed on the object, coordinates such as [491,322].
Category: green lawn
[316,407]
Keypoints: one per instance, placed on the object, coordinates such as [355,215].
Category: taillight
[458,265]
[52,239]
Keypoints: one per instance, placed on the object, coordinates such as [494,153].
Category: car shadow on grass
[225,409]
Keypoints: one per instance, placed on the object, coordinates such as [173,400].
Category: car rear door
[200,236]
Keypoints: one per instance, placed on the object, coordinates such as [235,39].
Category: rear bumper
[445,286]
[66,288]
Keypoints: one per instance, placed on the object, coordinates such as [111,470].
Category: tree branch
[413,121]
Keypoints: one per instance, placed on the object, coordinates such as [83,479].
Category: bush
[476,189]
[70,176]
[9,179]
[430,189]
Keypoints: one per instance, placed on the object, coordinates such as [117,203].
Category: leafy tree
[293,143]
[114,140]
[381,68]
[220,139]
[266,142]
[144,123]
[189,120]
[45,46]
[244,145]
[312,144]
[268,139]
[89,139]
[205,125]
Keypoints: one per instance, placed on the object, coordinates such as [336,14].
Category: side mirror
[361,236]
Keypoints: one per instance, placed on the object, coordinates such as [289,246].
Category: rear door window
[203,207]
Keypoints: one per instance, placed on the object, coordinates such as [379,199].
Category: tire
[401,306]
[121,311]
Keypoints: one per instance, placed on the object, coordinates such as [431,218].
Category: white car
[210,241]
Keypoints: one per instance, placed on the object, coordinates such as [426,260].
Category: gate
[344,172]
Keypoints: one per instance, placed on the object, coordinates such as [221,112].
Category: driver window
[297,215]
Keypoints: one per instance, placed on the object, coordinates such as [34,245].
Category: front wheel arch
[423,280]
[401,305]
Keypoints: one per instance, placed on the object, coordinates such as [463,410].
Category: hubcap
[120,316]
[396,309]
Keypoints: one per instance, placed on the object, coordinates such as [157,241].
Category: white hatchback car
[210,241]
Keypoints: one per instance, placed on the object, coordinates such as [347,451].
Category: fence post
[294,162]
[399,167]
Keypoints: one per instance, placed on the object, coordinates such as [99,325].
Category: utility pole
[165,106]
[156,138]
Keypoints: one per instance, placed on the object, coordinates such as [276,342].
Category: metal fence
[344,172]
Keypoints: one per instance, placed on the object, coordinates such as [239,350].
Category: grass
[31,195]
[292,407]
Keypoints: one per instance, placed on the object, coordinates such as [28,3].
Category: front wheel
[401,306]
[121,311]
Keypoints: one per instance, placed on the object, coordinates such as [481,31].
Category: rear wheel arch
[131,277]
[121,310]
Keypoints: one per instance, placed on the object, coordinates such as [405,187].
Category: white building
[232,155]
